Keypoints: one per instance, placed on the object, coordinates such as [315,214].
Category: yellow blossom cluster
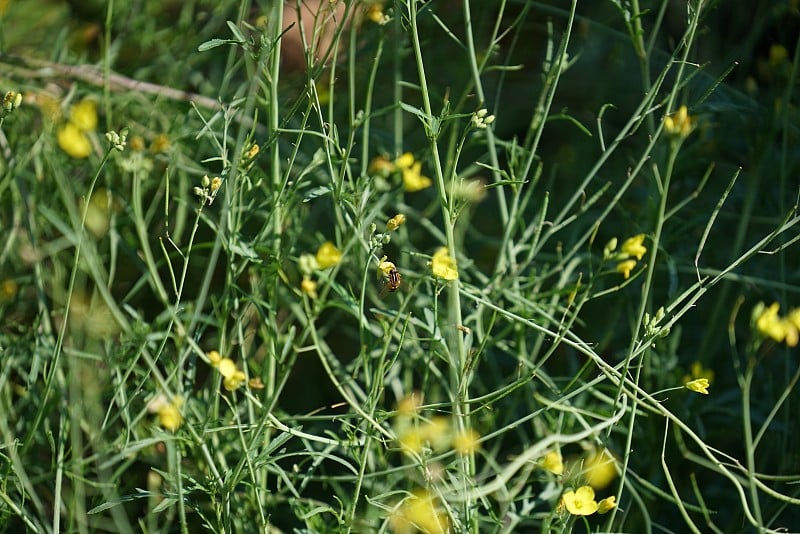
[698,385]
[415,433]
[327,256]
[679,124]
[597,470]
[376,14]
[409,168]
[386,268]
[73,136]
[698,379]
[168,411]
[769,324]
[632,251]
[395,222]
[553,462]
[232,376]
[443,265]
[419,512]
[581,502]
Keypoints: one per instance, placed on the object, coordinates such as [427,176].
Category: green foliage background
[540,345]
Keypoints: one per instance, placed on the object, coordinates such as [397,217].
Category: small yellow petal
[466,442]
[413,180]
[580,501]
[606,505]
[84,115]
[226,367]
[405,161]
[381,165]
[552,462]
[409,405]
[634,246]
[169,414]
[699,385]
[309,287]
[600,469]
[443,265]
[328,255]
[421,512]
[73,141]
[625,268]
[395,222]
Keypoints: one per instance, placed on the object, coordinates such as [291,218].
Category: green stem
[458,376]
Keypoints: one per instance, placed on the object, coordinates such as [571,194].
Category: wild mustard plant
[548,222]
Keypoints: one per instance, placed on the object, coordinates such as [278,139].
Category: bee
[393,280]
[390,275]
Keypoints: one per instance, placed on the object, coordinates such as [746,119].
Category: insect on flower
[393,281]
[391,276]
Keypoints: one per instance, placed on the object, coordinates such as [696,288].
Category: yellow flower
[679,124]
[385,267]
[580,501]
[606,505]
[168,412]
[328,255]
[73,141]
[214,358]
[216,182]
[160,143]
[169,416]
[633,246]
[444,266]
[625,268]
[420,512]
[84,115]
[253,152]
[226,367]
[699,385]
[792,334]
[698,371]
[232,377]
[136,143]
[413,180]
[466,442]
[769,324]
[375,14]
[411,441]
[406,161]
[600,469]
[234,381]
[434,434]
[409,405]
[412,173]
[380,165]
[437,432]
[309,287]
[552,462]
[395,222]
[794,317]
